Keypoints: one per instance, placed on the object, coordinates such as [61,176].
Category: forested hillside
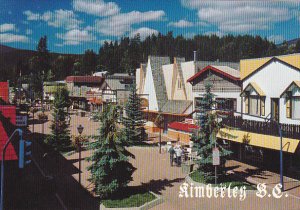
[126,54]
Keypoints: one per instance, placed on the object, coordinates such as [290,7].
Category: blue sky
[77,25]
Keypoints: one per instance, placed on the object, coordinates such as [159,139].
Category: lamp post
[80,130]
[159,123]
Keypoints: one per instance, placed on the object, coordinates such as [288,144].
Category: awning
[290,88]
[259,140]
[255,87]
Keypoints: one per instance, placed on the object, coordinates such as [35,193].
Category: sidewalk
[256,175]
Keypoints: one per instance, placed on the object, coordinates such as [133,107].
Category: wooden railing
[267,128]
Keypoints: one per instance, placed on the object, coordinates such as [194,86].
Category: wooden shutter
[262,106]
[247,105]
[288,108]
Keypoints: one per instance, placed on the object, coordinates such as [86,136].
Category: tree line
[126,54]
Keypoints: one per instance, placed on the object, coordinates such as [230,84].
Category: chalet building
[270,97]
[226,85]
[116,88]
[163,89]
[84,88]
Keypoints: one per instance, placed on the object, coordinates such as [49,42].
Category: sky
[73,26]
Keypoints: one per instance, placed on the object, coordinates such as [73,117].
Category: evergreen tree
[133,122]
[110,169]
[205,139]
[59,138]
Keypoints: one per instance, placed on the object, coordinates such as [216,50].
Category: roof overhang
[255,87]
[259,140]
[209,67]
[290,88]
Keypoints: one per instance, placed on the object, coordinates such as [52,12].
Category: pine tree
[110,169]
[205,140]
[59,138]
[133,122]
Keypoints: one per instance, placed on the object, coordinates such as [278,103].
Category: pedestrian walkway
[256,175]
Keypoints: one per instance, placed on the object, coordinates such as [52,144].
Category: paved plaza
[155,173]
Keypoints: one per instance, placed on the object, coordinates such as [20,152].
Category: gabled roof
[84,79]
[176,106]
[115,84]
[202,64]
[294,83]
[247,66]
[223,70]
[255,87]
[158,79]
[274,59]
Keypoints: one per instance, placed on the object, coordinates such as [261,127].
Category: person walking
[172,152]
[178,155]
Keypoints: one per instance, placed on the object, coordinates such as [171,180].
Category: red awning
[7,112]
[180,126]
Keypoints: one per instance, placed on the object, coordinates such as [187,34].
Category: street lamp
[80,130]
[160,121]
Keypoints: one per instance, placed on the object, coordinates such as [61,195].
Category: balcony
[265,128]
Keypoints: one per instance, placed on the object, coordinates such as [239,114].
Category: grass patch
[224,180]
[134,200]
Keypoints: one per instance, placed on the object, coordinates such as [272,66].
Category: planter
[145,206]
[187,167]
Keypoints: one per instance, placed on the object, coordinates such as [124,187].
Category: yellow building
[270,97]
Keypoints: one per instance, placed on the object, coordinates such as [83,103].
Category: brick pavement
[154,172]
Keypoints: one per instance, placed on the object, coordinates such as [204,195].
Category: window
[254,105]
[226,103]
[179,83]
[296,107]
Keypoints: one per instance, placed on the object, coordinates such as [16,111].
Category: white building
[272,91]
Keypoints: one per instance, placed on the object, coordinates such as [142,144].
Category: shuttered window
[262,106]
[247,105]
[295,108]
[288,108]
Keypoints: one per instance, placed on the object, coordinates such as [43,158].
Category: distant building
[50,88]
[226,85]
[84,88]
[116,88]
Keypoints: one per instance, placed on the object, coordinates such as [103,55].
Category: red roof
[4,91]
[7,112]
[180,126]
[85,79]
[207,68]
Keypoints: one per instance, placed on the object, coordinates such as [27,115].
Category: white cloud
[242,16]
[9,38]
[103,41]
[96,7]
[75,37]
[57,18]
[144,32]
[217,33]
[277,39]
[120,24]
[181,24]
[28,31]
[7,27]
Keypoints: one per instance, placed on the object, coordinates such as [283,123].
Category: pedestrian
[178,155]
[172,152]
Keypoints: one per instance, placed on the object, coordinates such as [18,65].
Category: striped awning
[258,140]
